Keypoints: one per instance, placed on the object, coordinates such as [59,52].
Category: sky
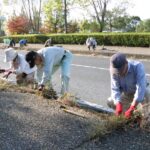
[139,8]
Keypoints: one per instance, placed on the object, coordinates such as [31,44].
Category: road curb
[101,52]
[93,106]
[110,53]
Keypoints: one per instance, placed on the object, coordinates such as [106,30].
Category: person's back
[23,42]
[52,54]
[93,43]
[48,43]
[12,43]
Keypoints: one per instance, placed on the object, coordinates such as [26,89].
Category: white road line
[99,68]
[148,75]
[90,67]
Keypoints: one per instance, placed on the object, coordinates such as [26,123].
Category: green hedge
[116,39]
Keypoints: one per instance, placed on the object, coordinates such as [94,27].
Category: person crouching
[18,66]
[129,87]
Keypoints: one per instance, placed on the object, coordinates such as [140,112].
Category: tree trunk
[65,15]
[97,15]
[103,15]
[30,15]
[38,26]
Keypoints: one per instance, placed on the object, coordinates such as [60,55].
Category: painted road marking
[99,68]
[76,65]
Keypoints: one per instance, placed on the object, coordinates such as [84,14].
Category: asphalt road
[90,79]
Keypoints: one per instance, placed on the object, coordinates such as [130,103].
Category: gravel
[132,139]
[29,122]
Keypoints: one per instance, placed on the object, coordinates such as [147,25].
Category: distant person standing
[12,43]
[23,42]
[48,42]
[91,42]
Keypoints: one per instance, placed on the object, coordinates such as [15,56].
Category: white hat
[10,54]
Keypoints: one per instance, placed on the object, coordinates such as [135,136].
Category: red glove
[129,112]
[118,109]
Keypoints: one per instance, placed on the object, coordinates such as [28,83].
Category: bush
[115,39]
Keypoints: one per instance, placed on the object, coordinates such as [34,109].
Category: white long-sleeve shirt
[52,57]
[22,66]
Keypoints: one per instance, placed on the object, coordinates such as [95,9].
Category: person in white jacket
[48,60]
[91,42]
[18,66]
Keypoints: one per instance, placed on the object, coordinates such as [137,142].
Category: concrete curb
[105,52]
[92,106]
[110,53]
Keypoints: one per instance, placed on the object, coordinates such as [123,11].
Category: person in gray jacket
[48,60]
[129,87]
[91,42]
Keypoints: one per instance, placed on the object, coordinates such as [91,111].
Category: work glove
[118,109]
[6,75]
[129,112]
[41,87]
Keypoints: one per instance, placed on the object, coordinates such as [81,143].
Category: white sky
[139,8]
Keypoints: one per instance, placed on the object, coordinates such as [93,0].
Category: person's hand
[129,112]
[41,87]
[6,75]
[118,109]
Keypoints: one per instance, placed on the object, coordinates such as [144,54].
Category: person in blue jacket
[23,42]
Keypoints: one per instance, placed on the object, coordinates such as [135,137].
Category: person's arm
[115,89]
[140,84]
[47,70]
[116,94]
[140,89]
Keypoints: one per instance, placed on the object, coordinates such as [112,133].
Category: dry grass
[68,99]
[101,124]
[46,93]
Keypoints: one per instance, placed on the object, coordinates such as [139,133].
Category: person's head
[10,55]
[33,58]
[119,64]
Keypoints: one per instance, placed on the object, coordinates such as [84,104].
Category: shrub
[115,39]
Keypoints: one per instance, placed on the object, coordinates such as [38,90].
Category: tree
[144,26]
[54,15]
[67,6]
[99,9]
[89,26]
[29,8]
[73,27]
[32,9]
[65,15]
[120,23]
[18,25]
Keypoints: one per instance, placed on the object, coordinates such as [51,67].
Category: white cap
[10,54]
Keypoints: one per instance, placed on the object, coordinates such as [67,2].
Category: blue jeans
[65,71]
